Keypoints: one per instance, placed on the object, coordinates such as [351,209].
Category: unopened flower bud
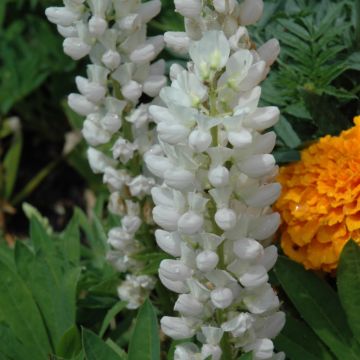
[175,270]
[131,224]
[200,140]
[111,122]
[247,249]
[222,297]
[132,91]
[224,6]
[207,260]
[166,217]
[190,223]
[269,51]
[177,41]
[97,25]
[256,275]
[188,306]
[225,218]
[67,31]
[179,178]
[81,105]
[262,349]
[154,84]
[76,48]
[264,226]
[61,15]
[91,90]
[188,8]
[219,176]
[168,242]
[176,328]
[251,11]
[257,166]
[111,59]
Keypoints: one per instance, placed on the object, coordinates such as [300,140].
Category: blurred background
[316,84]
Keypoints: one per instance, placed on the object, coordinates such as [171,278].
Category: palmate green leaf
[296,29]
[11,163]
[52,280]
[348,282]
[319,306]
[19,311]
[10,346]
[145,341]
[97,349]
[299,342]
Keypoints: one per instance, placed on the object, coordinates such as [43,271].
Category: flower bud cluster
[229,16]
[214,206]
[113,34]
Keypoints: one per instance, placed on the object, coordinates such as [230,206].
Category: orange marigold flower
[320,201]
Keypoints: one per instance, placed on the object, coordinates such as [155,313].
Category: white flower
[168,242]
[212,351]
[123,149]
[189,306]
[116,179]
[63,16]
[140,186]
[174,270]
[177,328]
[81,105]
[98,161]
[210,54]
[262,349]
[251,11]
[207,260]
[76,48]
[239,325]
[177,41]
[188,8]
[222,297]
[187,351]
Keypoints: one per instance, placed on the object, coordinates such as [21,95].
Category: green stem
[226,347]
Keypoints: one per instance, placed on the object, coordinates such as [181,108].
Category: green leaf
[18,309]
[319,306]
[299,342]
[70,343]
[39,236]
[247,356]
[287,133]
[95,348]
[348,281]
[116,348]
[287,156]
[53,284]
[10,346]
[110,315]
[30,211]
[11,164]
[71,241]
[145,341]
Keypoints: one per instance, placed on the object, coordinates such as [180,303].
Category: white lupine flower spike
[113,34]
[214,204]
